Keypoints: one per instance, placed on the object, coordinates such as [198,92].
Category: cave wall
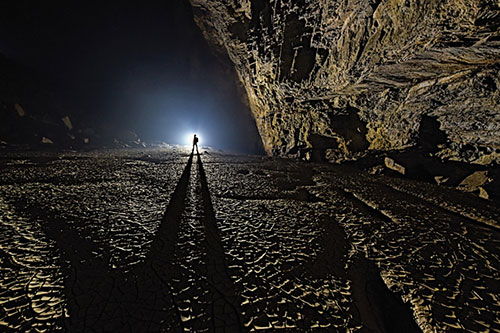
[330,79]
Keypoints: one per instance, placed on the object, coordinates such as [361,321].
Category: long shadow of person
[101,299]
[226,303]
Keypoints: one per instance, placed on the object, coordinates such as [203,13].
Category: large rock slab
[331,79]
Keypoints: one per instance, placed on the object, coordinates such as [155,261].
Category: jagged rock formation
[331,78]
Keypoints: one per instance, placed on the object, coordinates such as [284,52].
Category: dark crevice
[320,144]
[351,128]
[430,136]
[296,46]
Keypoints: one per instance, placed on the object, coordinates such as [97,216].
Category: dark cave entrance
[117,69]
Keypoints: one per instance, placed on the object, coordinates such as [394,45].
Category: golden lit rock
[386,64]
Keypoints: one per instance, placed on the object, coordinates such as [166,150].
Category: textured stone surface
[331,78]
[156,240]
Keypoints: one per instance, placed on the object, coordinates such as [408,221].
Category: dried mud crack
[143,240]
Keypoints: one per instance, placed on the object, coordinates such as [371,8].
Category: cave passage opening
[142,67]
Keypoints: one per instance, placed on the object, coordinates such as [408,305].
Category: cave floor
[157,239]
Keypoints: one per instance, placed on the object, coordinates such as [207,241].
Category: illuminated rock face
[331,79]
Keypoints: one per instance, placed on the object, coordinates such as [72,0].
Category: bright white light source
[190,137]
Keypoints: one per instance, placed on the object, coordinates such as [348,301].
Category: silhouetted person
[195,142]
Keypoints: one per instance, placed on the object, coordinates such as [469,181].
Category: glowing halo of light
[190,136]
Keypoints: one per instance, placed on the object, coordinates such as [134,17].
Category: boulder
[67,122]
[20,110]
[483,194]
[440,180]
[472,182]
[46,141]
[376,170]
[391,164]
[475,183]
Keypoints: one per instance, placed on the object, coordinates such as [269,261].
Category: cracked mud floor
[159,240]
